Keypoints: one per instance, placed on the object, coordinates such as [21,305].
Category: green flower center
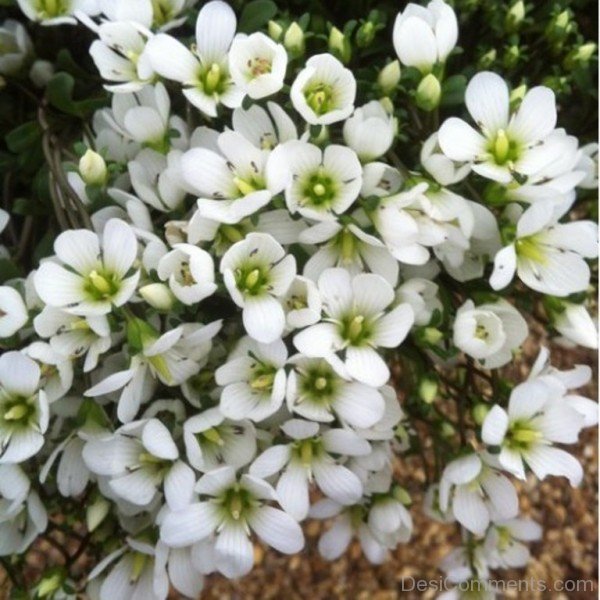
[503,149]
[252,280]
[319,383]
[101,285]
[18,412]
[522,435]
[529,247]
[304,451]
[47,9]
[320,97]
[237,502]
[214,79]
[356,330]
[263,377]
[319,189]
[162,12]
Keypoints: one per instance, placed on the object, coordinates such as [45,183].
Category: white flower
[204,73]
[349,247]
[503,543]
[319,392]
[90,281]
[476,493]
[163,14]
[576,324]
[172,358]
[156,180]
[302,303]
[357,323]
[138,459]
[309,457]
[13,312]
[138,573]
[16,47]
[378,529]
[588,163]
[24,409]
[190,272]
[257,273]
[72,475]
[56,12]
[234,181]
[257,65]
[548,256]
[506,145]
[370,131]
[489,332]
[254,380]
[422,295]
[423,36]
[121,56]
[56,369]
[74,336]
[444,170]
[324,91]
[318,184]
[24,520]
[212,441]
[233,508]
[264,128]
[536,418]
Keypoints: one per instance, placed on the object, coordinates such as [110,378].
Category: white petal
[119,246]
[171,59]
[263,318]
[470,510]
[334,542]
[234,552]
[415,43]
[367,366]
[79,249]
[179,485]
[158,441]
[459,141]
[345,442]
[271,461]
[495,426]
[536,116]
[19,374]
[215,29]
[545,460]
[505,265]
[277,529]
[337,482]
[392,329]
[292,491]
[189,525]
[486,98]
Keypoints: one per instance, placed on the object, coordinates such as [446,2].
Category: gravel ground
[567,553]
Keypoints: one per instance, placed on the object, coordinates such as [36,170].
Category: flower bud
[479,413]
[515,16]
[365,34]
[559,27]
[41,73]
[447,430]
[96,513]
[580,56]
[92,168]
[339,45]
[428,389]
[511,57]
[488,59]
[158,295]
[389,77]
[48,585]
[429,93]
[517,95]
[275,30]
[293,40]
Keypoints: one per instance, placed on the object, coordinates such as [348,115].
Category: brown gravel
[568,551]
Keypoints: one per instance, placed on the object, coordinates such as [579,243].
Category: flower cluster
[270,292]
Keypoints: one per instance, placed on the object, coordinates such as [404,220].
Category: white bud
[96,513]
[389,77]
[92,168]
[157,295]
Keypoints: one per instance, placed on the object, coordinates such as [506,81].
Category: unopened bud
[339,45]
[389,77]
[488,59]
[428,390]
[429,93]
[515,15]
[431,335]
[158,295]
[293,40]
[92,168]
[365,34]
[48,585]
[580,56]
[447,430]
[479,413]
[517,95]
[96,513]
[275,30]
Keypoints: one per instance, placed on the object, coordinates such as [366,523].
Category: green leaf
[256,14]
[23,137]
[453,90]
[60,95]
[8,270]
